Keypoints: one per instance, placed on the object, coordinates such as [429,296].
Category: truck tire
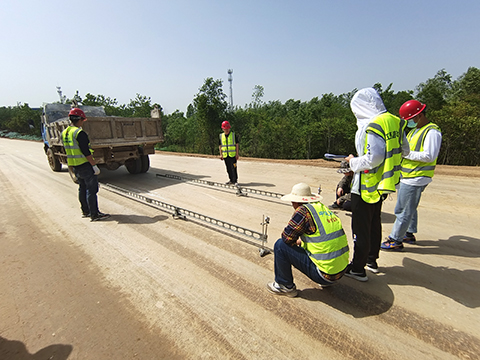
[134,166]
[53,161]
[145,163]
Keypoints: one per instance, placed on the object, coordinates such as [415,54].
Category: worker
[343,194]
[80,158]
[228,148]
[313,242]
[380,143]
[418,168]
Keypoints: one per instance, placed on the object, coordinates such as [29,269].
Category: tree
[435,92]
[257,95]
[22,119]
[100,100]
[210,108]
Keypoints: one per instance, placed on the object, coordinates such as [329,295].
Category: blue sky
[165,49]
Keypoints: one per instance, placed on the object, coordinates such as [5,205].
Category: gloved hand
[96,170]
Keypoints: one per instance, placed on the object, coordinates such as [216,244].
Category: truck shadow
[151,181]
[16,350]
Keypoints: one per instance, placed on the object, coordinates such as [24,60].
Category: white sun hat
[301,193]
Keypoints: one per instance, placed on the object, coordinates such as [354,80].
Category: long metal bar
[181,213]
[240,189]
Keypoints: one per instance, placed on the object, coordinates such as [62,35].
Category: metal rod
[241,191]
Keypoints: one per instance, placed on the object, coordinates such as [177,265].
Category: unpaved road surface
[142,285]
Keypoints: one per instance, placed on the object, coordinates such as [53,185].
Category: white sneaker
[372,266]
[278,289]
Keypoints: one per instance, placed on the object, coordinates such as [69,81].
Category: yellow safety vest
[382,179]
[75,156]
[228,145]
[328,246]
[412,168]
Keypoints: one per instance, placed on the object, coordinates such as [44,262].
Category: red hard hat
[226,125]
[77,112]
[410,109]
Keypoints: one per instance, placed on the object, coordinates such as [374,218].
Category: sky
[166,49]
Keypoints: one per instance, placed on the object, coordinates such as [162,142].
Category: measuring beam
[181,213]
[241,191]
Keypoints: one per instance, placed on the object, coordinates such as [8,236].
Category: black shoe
[409,238]
[372,266]
[85,215]
[360,276]
[334,206]
[100,216]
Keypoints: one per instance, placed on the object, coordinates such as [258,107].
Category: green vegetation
[295,129]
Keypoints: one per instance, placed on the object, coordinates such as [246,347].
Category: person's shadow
[458,285]
[136,219]
[347,297]
[16,350]
[457,245]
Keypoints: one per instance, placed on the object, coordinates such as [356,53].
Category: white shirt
[431,148]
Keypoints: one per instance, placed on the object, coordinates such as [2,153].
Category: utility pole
[230,80]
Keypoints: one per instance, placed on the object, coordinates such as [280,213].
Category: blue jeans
[286,256]
[87,189]
[408,199]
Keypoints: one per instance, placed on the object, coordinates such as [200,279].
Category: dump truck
[115,141]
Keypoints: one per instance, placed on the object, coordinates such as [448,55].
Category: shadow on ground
[16,350]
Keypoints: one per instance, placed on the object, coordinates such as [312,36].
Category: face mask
[411,124]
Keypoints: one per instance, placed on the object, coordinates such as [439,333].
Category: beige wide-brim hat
[301,193]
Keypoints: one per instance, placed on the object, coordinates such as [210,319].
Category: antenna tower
[62,97]
[230,80]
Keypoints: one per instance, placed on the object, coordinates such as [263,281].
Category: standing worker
[228,147]
[79,156]
[380,143]
[313,242]
[417,171]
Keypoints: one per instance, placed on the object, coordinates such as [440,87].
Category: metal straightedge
[180,213]
[241,191]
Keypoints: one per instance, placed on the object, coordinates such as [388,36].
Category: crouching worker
[313,242]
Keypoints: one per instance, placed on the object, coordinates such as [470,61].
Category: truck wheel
[53,161]
[72,175]
[134,166]
[145,163]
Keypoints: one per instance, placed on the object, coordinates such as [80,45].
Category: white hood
[366,104]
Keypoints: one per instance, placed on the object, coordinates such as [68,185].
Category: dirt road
[143,285]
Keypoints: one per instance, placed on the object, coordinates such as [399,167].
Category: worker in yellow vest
[313,242]
[228,148]
[80,158]
[380,143]
[418,167]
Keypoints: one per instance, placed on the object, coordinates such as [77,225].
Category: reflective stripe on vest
[75,156]
[383,178]
[412,168]
[328,246]
[228,147]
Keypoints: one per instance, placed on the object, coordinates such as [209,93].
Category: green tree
[109,104]
[258,92]
[210,108]
[436,91]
